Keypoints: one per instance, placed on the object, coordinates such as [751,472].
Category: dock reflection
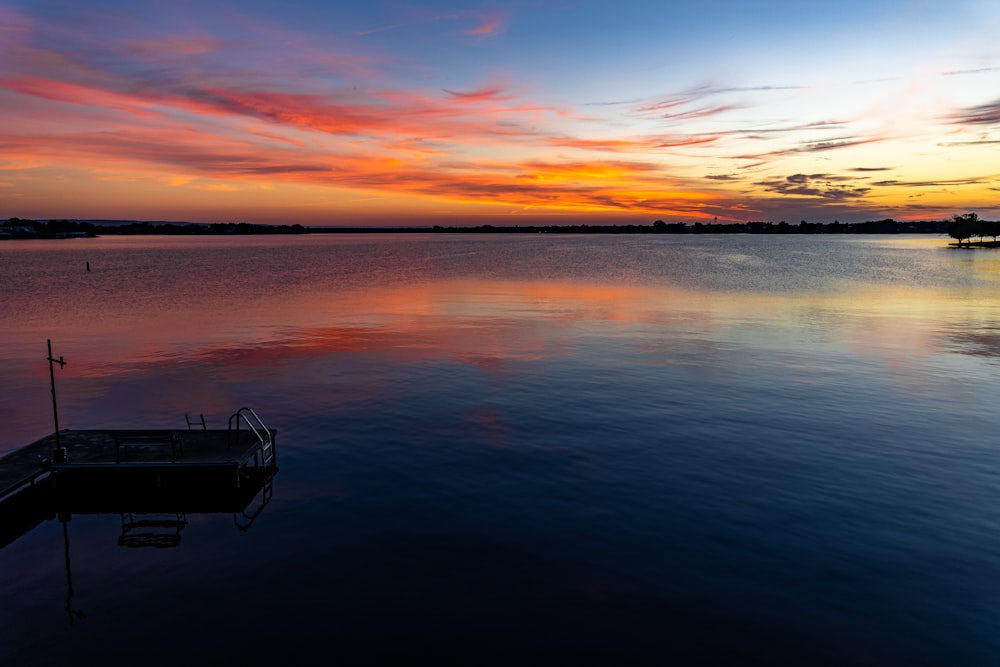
[151,517]
[53,498]
[152,530]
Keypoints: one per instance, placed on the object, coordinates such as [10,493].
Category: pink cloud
[487,28]
[489,25]
[185,46]
[71,93]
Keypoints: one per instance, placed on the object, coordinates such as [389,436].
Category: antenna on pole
[59,455]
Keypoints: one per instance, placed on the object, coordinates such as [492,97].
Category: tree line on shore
[887,226]
[961,227]
[49,229]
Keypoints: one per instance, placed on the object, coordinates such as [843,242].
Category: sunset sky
[552,111]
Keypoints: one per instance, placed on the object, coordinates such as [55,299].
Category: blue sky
[347,113]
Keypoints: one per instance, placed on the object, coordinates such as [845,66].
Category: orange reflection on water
[490,322]
[202,350]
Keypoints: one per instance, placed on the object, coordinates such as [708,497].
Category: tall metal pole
[60,454]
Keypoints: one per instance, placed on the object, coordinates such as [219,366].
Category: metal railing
[263,434]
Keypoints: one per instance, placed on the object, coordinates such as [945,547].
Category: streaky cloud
[971,142]
[834,144]
[703,112]
[605,144]
[675,142]
[184,46]
[614,103]
[982,114]
[977,70]
[751,89]
[365,33]
[658,105]
[803,127]
[486,94]
[937,183]
[692,95]
[808,147]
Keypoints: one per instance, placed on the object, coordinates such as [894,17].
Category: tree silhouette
[965,226]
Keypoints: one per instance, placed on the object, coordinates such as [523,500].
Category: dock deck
[147,454]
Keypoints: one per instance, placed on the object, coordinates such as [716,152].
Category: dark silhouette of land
[964,227]
[960,227]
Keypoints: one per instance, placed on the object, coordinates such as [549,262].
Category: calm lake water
[525,449]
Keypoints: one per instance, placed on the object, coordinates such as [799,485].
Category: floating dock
[133,459]
[138,471]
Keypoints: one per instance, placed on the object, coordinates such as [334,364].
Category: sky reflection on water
[200,340]
[771,460]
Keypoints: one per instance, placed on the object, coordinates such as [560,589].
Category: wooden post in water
[59,455]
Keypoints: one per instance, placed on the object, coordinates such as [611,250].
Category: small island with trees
[966,226]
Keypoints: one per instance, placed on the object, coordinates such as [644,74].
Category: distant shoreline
[17,228]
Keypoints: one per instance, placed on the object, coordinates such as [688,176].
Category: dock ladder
[256,426]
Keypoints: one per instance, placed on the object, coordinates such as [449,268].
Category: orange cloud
[189,109]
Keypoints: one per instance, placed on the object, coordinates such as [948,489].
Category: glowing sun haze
[348,113]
